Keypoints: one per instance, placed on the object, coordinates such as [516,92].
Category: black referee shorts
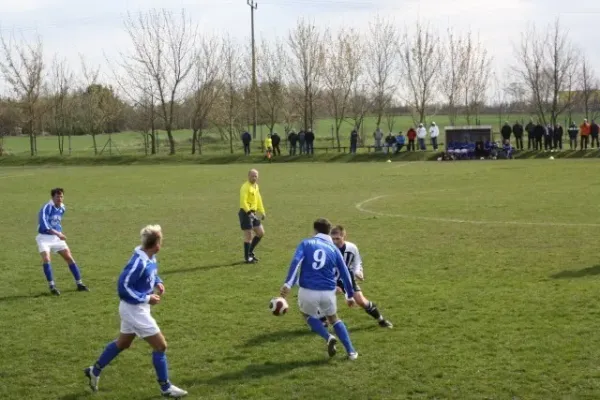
[246,222]
[355,286]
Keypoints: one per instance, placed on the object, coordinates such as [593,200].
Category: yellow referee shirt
[250,198]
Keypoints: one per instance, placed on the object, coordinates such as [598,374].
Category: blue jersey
[137,281]
[315,266]
[50,217]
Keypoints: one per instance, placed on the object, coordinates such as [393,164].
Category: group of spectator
[299,143]
[395,143]
[551,135]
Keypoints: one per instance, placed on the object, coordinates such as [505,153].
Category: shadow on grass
[37,295]
[271,337]
[257,371]
[201,268]
[579,273]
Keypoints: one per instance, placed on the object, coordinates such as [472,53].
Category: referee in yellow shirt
[251,204]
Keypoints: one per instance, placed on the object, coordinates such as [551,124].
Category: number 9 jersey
[316,265]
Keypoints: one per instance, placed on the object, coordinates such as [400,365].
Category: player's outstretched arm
[294,269]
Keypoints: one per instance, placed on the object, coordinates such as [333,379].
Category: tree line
[174,77]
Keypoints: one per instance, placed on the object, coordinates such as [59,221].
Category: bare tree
[341,70]
[164,51]
[272,68]
[452,72]
[61,106]
[382,64]
[590,86]
[545,64]
[360,105]
[421,58]
[22,66]
[476,71]
[207,86]
[306,48]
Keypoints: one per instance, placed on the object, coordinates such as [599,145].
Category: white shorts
[136,318]
[50,243]
[317,302]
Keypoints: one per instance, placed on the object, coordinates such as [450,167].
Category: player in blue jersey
[51,238]
[136,287]
[314,268]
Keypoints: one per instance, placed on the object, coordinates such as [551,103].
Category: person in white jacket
[434,132]
[421,134]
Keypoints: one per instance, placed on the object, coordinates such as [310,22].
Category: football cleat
[89,372]
[82,288]
[254,257]
[384,323]
[352,356]
[174,392]
[54,291]
[331,349]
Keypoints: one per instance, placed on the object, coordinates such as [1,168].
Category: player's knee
[360,299]
[332,319]
[123,344]
[45,257]
[161,347]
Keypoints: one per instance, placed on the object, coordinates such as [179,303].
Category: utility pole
[253,6]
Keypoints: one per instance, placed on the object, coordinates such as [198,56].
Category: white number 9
[320,257]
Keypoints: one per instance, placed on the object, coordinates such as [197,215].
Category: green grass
[490,310]
[131,143]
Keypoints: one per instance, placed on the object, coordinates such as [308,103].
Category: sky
[94,29]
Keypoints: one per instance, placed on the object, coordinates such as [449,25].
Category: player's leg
[308,303]
[328,306]
[44,250]
[371,309]
[65,253]
[259,232]
[161,366]
[111,351]
[246,226]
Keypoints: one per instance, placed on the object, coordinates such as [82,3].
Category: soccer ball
[278,306]
[552,158]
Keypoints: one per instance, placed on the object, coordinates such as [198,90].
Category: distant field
[132,142]
[489,271]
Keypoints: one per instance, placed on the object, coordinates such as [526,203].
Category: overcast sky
[92,28]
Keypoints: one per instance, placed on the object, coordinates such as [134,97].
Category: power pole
[253,6]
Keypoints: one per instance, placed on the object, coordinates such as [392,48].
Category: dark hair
[56,191]
[322,226]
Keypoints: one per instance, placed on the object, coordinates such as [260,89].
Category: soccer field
[488,270]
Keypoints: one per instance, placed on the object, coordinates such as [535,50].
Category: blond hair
[151,235]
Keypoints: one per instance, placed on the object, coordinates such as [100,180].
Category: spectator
[421,135]
[353,141]
[507,149]
[558,135]
[538,133]
[246,139]
[505,131]
[302,141]
[269,147]
[518,132]
[530,128]
[584,131]
[548,134]
[434,132]
[310,140]
[378,135]
[293,139]
[276,140]
[573,130]
[400,140]
[594,130]
[411,135]
[390,141]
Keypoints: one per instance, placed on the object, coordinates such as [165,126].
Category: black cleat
[250,260]
[54,291]
[331,350]
[384,323]
[253,257]
[82,288]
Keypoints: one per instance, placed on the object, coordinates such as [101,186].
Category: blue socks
[342,333]
[75,271]
[110,352]
[48,273]
[317,327]
[159,359]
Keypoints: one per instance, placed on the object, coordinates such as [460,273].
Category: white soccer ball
[278,306]
[552,158]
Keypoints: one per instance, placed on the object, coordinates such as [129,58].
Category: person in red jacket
[411,135]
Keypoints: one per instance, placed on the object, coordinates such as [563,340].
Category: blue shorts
[246,222]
